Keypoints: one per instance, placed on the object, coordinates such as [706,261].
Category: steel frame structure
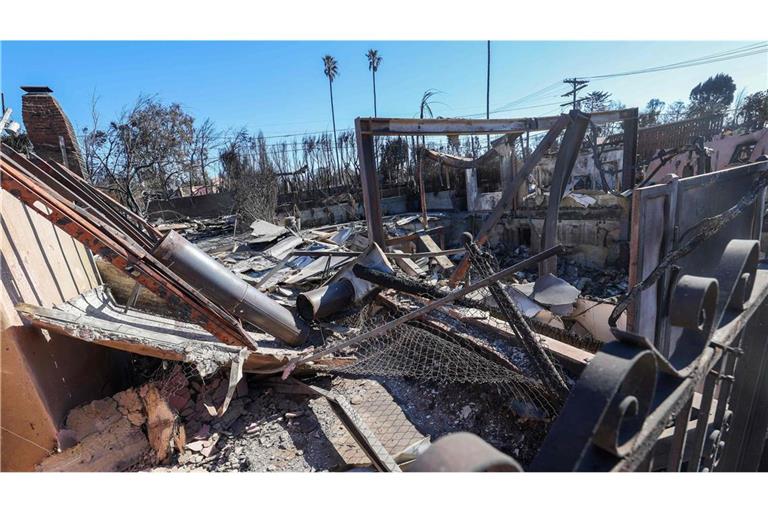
[368,128]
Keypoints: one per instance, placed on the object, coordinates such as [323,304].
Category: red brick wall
[45,120]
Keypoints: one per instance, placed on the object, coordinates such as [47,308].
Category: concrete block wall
[592,234]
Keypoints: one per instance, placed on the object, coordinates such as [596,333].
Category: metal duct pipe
[326,300]
[220,285]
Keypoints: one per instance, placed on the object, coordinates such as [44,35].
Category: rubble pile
[179,423]
[284,350]
[604,284]
[234,343]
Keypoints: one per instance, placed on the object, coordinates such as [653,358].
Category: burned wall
[201,207]
[43,375]
[590,233]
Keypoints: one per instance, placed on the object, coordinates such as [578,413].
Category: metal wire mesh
[170,377]
[415,350]
[497,297]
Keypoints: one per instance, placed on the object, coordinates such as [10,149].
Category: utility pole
[488,94]
[576,85]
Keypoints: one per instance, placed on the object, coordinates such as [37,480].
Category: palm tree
[331,70]
[374,60]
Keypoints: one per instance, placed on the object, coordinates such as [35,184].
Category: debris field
[256,344]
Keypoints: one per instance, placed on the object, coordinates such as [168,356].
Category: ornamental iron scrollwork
[609,409]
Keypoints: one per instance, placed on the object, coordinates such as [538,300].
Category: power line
[536,95]
[533,95]
[735,53]
[527,107]
[745,51]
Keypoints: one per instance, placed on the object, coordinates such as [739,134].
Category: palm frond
[426,103]
[374,60]
[330,67]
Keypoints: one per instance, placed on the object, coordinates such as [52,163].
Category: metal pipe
[326,300]
[220,285]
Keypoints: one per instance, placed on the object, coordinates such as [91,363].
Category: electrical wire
[745,51]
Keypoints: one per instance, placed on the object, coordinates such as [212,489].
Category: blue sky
[279,86]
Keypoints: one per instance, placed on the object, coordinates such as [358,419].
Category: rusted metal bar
[628,178]
[629,159]
[546,370]
[422,191]
[236,296]
[566,158]
[370,185]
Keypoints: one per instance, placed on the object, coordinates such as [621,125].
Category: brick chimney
[46,122]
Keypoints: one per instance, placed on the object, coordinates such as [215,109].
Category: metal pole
[488,94]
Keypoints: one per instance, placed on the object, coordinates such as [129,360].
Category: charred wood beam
[410,237]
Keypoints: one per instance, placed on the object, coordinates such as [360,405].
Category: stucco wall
[43,376]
